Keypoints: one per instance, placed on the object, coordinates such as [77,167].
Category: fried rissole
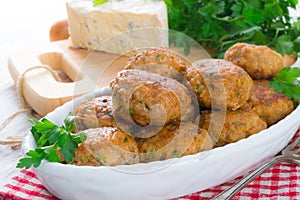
[174,141]
[219,84]
[148,98]
[231,126]
[160,61]
[94,113]
[110,146]
[84,158]
[260,62]
[268,104]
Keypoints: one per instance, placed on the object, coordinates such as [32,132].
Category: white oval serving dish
[161,179]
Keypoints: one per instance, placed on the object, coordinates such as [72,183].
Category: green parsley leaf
[43,140]
[236,9]
[287,82]
[35,158]
[253,16]
[51,137]
[69,122]
[52,153]
[297,44]
[99,2]
[288,74]
[169,2]
[152,153]
[45,132]
[44,125]
[284,44]
[67,146]
[79,137]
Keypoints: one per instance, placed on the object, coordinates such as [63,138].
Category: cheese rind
[118,26]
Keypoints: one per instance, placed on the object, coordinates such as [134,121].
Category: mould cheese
[118,26]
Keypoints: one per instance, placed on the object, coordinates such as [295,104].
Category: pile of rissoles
[164,107]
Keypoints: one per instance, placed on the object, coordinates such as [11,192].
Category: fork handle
[231,191]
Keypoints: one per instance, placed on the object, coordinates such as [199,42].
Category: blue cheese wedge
[118,26]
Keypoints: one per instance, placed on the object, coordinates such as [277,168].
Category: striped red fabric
[25,186]
[280,182]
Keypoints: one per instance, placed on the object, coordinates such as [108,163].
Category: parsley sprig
[287,82]
[218,24]
[51,140]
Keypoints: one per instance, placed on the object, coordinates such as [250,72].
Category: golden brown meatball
[232,127]
[165,62]
[219,84]
[148,98]
[110,146]
[259,61]
[160,61]
[268,104]
[94,113]
[174,141]
[83,157]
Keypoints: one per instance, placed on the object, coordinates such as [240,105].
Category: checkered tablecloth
[280,182]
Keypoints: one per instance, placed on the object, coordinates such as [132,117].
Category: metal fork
[289,154]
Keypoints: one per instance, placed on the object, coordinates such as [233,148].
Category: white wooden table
[21,22]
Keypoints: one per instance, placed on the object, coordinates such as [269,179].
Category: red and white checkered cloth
[25,186]
[280,182]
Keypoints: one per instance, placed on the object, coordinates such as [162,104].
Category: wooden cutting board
[87,70]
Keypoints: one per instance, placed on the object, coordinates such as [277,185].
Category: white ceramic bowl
[161,179]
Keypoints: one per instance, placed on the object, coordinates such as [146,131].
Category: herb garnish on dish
[52,140]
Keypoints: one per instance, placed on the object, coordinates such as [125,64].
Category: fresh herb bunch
[52,140]
[287,82]
[218,24]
